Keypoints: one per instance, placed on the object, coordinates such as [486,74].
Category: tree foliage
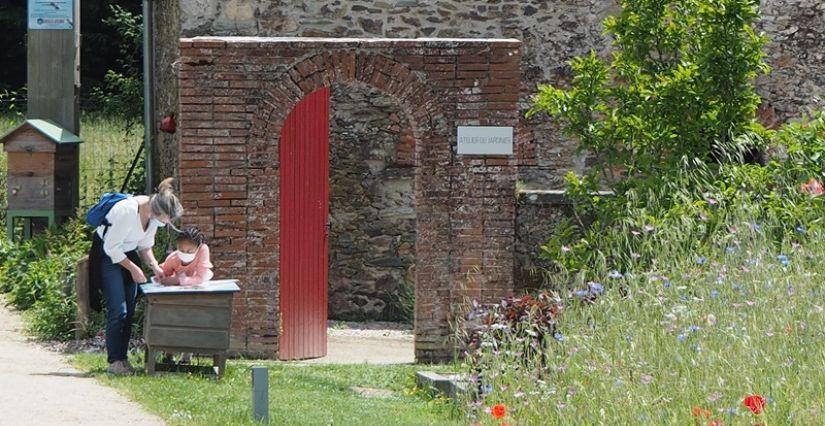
[678,85]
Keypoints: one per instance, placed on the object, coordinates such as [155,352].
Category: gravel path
[367,343]
[37,387]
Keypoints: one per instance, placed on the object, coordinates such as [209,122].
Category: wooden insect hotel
[43,160]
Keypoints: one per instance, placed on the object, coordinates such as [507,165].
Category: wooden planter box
[185,319]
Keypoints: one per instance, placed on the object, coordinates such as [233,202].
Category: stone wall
[537,215]
[372,212]
[796,55]
[552,32]
[235,95]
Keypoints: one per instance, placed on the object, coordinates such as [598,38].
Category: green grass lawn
[298,394]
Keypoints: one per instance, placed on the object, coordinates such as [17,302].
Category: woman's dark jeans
[119,292]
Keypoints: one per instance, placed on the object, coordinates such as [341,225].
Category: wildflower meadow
[733,338]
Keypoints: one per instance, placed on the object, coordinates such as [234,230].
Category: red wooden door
[304,173]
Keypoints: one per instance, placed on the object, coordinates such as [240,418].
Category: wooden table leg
[150,360]
[219,361]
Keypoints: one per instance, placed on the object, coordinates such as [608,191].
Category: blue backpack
[97,214]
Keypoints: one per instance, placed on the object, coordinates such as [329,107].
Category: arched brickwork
[236,95]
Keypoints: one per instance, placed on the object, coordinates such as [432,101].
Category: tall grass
[682,341]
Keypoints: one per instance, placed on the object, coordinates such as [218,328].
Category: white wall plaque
[51,14]
[485,140]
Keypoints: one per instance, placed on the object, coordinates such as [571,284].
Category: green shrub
[679,85]
[52,316]
[122,92]
[38,276]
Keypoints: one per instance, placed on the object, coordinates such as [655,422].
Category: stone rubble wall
[372,211]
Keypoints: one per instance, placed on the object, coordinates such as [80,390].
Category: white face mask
[157,223]
[186,257]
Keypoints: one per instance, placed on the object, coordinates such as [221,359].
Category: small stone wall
[537,215]
[372,211]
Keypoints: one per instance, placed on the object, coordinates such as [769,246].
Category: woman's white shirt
[126,232]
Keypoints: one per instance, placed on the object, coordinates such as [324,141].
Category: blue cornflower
[693,328]
[783,259]
[581,293]
[730,249]
[702,260]
[682,337]
[615,274]
[558,337]
[801,230]
[629,338]
[595,288]
[666,284]
[714,294]
[755,226]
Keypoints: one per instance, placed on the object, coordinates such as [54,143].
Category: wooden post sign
[43,151]
[53,43]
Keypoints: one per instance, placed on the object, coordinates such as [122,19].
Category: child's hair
[191,233]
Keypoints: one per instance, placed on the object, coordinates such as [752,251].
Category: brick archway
[236,94]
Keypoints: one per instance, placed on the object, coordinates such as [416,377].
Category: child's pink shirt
[196,272]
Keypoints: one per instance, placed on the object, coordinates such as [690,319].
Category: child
[189,265]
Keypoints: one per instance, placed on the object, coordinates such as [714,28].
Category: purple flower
[693,328]
[595,288]
[559,337]
[581,293]
[783,259]
[682,337]
[702,260]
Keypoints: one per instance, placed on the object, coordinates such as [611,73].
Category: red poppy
[498,411]
[755,402]
[716,422]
